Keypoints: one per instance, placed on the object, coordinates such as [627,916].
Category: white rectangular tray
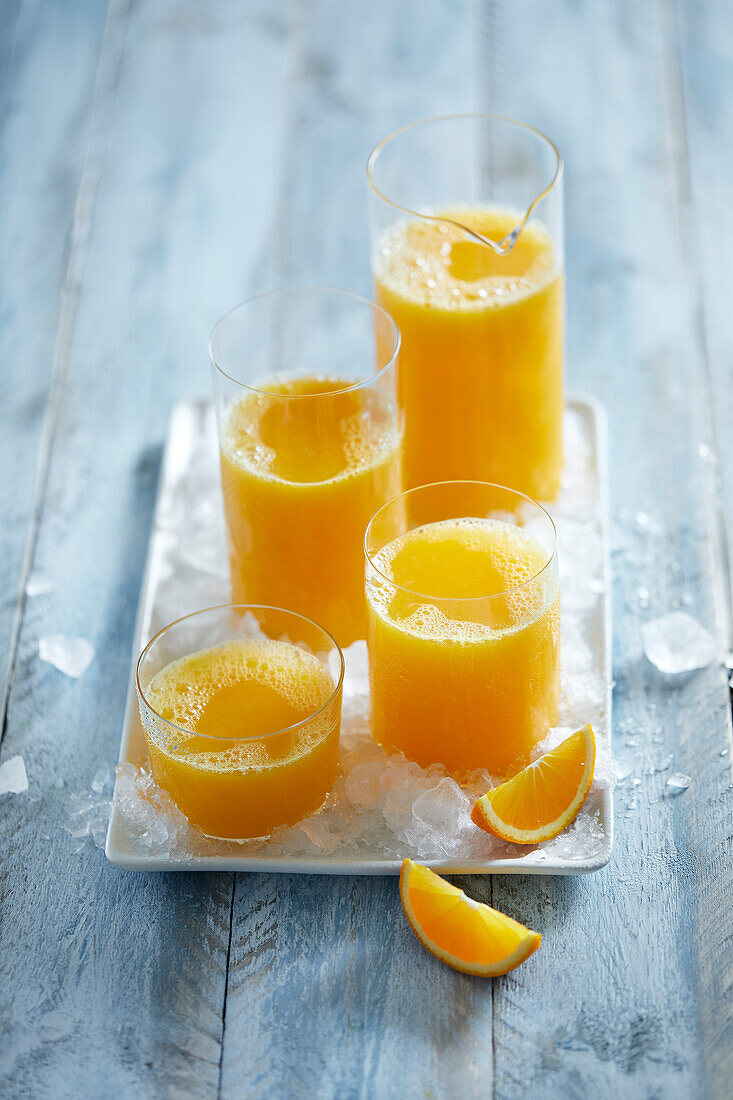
[190,456]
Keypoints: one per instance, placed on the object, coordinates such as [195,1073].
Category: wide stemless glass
[311,446]
[241,707]
[464,626]
[467,256]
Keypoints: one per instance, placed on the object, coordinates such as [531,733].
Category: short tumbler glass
[464,626]
[233,787]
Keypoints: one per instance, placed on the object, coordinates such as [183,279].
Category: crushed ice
[677,643]
[13,776]
[88,810]
[384,806]
[72,656]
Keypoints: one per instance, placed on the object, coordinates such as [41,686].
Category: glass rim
[298,289]
[460,116]
[461,599]
[242,607]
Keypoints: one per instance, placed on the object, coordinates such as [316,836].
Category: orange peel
[466,934]
[541,800]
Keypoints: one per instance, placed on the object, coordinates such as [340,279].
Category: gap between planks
[226,987]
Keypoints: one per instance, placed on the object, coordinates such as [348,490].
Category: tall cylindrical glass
[464,626]
[467,256]
[241,707]
[311,445]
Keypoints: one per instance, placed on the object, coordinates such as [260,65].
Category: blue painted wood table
[162,160]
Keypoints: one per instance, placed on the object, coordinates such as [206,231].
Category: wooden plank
[617,999]
[704,84]
[9,17]
[329,993]
[356,76]
[48,66]
[113,984]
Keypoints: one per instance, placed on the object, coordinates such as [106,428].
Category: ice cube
[678,783]
[356,678]
[72,656]
[158,832]
[441,820]
[362,783]
[677,642]
[101,779]
[319,832]
[98,825]
[623,771]
[13,777]
[442,808]
[36,585]
[89,812]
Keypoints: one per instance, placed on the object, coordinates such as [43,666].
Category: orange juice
[249,737]
[467,676]
[304,467]
[481,367]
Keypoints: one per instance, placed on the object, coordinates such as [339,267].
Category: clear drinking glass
[311,446]
[269,673]
[467,256]
[464,625]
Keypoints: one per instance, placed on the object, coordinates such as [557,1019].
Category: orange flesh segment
[465,934]
[542,799]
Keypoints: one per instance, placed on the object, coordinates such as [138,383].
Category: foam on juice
[242,689]
[435,264]
[350,431]
[451,561]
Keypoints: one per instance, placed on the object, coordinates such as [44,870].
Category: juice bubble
[220,697]
[435,263]
[479,572]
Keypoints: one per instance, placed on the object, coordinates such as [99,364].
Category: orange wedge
[542,799]
[463,933]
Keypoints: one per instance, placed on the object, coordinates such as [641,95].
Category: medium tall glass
[467,256]
[241,707]
[464,626]
[311,446]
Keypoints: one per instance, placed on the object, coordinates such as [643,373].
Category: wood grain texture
[191,155]
[113,985]
[9,18]
[43,142]
[705,97]
[634,960]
